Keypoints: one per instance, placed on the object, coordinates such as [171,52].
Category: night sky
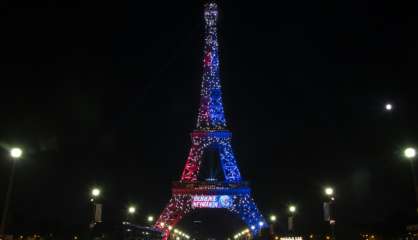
[106,93]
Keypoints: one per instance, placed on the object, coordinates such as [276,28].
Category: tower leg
[193,162]
[229,165]
[176,209]
[245,207]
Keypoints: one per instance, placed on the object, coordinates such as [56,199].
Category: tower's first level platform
[210,188]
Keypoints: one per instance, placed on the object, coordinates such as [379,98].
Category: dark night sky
[106,93]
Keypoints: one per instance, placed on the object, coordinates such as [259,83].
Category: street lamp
[292,211]
[95,192]
[15,154]
[410,153]
[273,220]
[131,210]
[329,191]
[328,209]
[97,206]
[150,219]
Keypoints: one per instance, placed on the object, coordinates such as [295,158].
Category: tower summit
[211,113]
[211,132]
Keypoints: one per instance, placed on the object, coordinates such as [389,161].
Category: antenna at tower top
[211,13]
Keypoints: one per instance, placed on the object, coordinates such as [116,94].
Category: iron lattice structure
[232,194]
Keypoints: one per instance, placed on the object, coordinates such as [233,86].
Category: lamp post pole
[15,154]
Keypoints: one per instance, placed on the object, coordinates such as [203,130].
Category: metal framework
[233,194]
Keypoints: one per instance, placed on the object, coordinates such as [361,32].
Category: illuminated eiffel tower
[232,194]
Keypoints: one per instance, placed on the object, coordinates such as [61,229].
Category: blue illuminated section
[245,207]
[240,204]
[228,163]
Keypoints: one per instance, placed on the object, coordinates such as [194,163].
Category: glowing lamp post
[329,191]
[131,210]
[329,206]
[410,153]
[95,192]
[15,154]
[150,219]
[273,220]
[131,213]
[292,212]
[97,206]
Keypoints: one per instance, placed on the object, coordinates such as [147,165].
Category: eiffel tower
[189,193]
